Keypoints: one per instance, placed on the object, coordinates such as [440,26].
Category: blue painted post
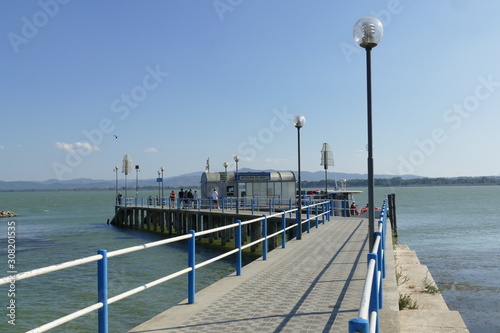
[308,216]
[332,209]
[258,204]
[283,227]
[298,224]
[102,291]
[359,325]
[223,204]
[382,249]
[379,269]
[290,206]
[323,207]
[264,235]
[316,216]
[253,205]
[192,264]
[238,245]
[374,304]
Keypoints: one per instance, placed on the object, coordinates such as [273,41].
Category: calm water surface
[454,230]
[54,227]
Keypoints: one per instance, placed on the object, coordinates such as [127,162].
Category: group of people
[354,209]
[186,198]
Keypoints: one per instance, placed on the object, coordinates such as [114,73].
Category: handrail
[103,255]
[268,204]
[368,319]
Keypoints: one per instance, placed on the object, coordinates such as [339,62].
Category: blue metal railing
[102,262]
[368,319]
[254,204]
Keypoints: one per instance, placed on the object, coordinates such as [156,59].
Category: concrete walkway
[313,285]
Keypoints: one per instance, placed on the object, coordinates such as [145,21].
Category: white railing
[368,320]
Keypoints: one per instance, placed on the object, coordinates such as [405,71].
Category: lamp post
[161,197]
[237,159]
[326,160]
[299,121]
[368,33]
[159,180]
[137,181]
[126,169]
[115,169]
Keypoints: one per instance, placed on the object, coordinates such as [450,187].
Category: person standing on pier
[190,198]
[172,199]
[181,196]
[215,197]
[195,198]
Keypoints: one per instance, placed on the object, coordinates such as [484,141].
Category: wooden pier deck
[313,285]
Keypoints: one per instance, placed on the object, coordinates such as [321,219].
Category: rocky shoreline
[7,213]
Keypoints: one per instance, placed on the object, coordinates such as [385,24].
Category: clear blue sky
[181,81]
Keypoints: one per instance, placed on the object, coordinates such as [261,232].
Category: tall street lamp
[159,180]
[326,160]
[137,181]
[115,169]
[368,33]
[161,198]
[237,159]
[299,121]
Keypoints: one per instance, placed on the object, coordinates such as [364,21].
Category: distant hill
[186,180]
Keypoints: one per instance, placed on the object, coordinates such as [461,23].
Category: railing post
[290,206]
[252,203]
[323,217]
[238,245]
[382,249]
[316,216]
[308,216]
[102,291]
[298,224]
[264,235]
[283,226]
[359,325]
[191,264]
[374,297]
[331,209]
[223,204]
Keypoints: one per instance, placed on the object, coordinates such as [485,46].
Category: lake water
[454,230]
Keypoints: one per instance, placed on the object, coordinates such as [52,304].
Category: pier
[314,285]
[180,219]
[327,280]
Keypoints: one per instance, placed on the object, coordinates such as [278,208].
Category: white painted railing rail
[368,320]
